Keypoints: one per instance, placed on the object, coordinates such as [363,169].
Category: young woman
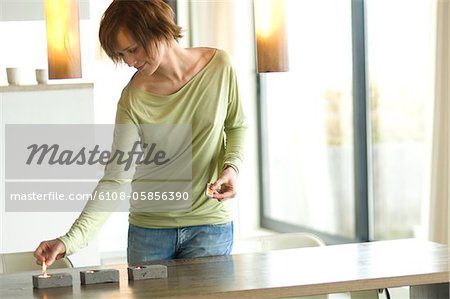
[172,85]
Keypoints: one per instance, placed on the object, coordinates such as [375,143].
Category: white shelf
[45,87]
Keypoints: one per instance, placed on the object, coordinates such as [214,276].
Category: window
[401,57]
[309,121]
[309,160]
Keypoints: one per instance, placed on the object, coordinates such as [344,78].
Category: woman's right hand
[49,251]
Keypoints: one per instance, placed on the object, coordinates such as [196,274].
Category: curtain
[440,163]
[212,23]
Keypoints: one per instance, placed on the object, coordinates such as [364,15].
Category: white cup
[13,75]
[41,76]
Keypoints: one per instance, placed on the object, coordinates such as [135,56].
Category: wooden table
[295,272]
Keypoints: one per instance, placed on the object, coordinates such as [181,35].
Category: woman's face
[134,54]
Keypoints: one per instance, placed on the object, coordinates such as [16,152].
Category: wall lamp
[63,39]
[271,42]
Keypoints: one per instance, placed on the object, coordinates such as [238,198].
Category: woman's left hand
[225,186]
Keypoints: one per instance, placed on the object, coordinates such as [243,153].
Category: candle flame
[44,269]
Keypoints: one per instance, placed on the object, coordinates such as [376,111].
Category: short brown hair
[146,20]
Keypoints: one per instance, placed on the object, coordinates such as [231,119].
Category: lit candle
[45,280]
[147,272]
[99,276]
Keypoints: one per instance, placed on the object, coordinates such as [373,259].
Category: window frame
[361,146]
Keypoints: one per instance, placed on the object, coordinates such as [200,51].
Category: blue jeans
[151,244]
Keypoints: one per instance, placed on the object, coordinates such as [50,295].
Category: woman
[175,86]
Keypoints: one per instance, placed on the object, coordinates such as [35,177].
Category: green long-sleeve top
[210,104]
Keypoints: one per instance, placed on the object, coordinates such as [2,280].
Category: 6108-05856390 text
[103,196]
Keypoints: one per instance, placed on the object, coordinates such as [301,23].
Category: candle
[209,192]
[45,280]
[52,281]
[99,276]
[147,272]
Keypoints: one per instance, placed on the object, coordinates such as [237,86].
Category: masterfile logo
[83,151]
[58,167]
[52,154]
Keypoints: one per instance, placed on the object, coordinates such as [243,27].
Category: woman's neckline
[198,74]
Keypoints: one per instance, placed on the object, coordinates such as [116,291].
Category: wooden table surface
[282,273]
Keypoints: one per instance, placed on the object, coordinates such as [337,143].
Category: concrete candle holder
[147,272]
[99,276]
[56,280]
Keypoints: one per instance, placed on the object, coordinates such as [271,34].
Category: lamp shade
[63,39]
[271,42]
